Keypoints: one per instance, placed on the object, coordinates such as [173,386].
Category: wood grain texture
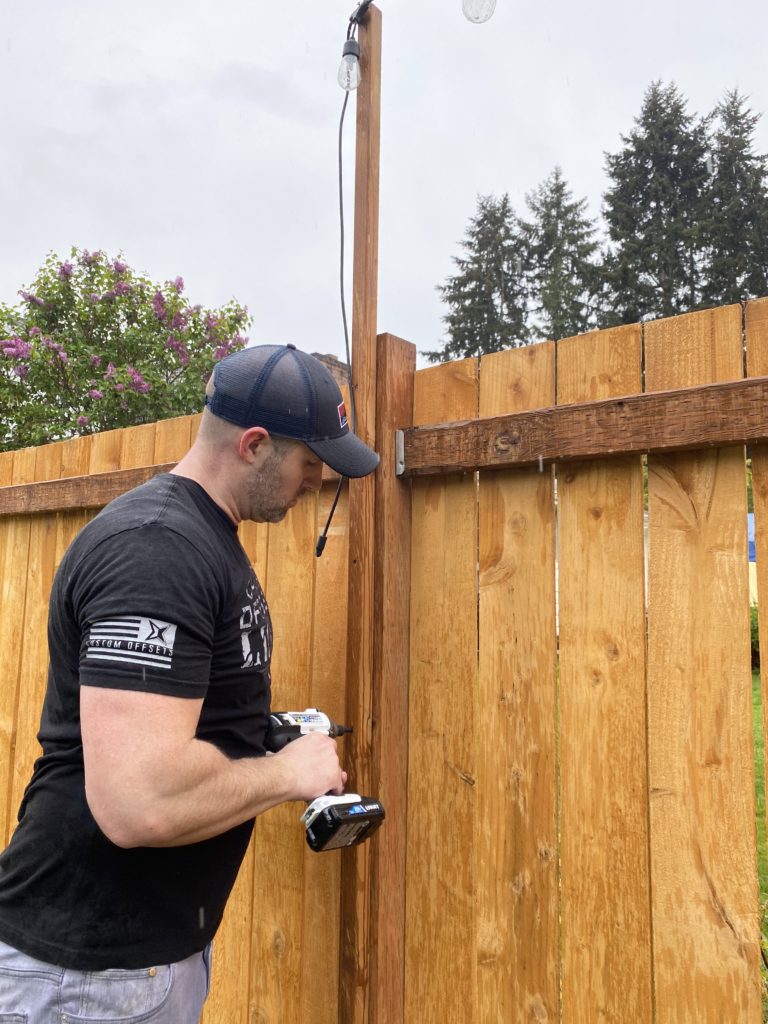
[89,491]
[679,420]
[516,837]
[440,973]
[229,998]
[278,921]
[603,771]
[356,863]
[756,324]
[392,590]
[40,569]
[14,559]
[701,767]
[322,873]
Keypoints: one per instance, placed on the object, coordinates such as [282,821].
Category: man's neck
[207,472]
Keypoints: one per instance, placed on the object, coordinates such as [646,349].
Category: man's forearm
[201,793]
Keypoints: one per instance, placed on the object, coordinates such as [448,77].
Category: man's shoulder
[161,514]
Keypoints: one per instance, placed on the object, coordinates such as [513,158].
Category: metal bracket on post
[399,452]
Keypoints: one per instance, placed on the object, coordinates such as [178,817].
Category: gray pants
[32,992]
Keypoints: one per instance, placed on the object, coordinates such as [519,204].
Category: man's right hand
[314,761]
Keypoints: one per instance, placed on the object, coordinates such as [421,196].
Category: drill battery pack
[334,822]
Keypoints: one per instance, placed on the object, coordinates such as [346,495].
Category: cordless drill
[331,822]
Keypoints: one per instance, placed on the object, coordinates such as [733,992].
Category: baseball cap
[290,394]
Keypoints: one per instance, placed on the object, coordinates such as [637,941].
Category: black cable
[353,22]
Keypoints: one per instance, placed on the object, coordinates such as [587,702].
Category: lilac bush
[92,345]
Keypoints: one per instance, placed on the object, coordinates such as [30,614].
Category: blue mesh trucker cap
[290,394]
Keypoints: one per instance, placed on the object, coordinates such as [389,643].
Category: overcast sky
[199,138]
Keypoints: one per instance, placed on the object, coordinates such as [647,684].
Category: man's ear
[253,443]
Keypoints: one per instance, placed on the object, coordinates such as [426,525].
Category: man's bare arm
[150,782]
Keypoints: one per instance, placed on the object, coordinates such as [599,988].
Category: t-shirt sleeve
[146,601]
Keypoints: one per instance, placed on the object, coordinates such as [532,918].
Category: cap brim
[347,454]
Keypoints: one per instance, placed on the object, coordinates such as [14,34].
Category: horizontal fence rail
[685,419]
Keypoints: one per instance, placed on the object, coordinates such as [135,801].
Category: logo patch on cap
[342,410]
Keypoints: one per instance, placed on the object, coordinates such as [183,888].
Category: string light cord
[355,18]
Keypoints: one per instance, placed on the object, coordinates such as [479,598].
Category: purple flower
[21,371]
[95,297]
[119,267]
[96,361]
[178,284]
[62,355]
[122,288]
[95,393]
[33,300]
[89,258]
[119,387]
[34,331]
[110,371]
[82,421]
[179,321]
[158,305]
[15,348]
[178,346]
[211,322]
[65,270]
[138,383]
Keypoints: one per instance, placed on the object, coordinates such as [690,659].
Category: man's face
[286,472]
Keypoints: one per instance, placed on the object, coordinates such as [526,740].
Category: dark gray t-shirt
[155,594]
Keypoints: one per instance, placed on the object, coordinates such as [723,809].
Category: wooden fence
[578,813]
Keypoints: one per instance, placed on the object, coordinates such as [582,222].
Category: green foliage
[94,345]
[560,241]
[486,297]
[735,221]
[653,211]
[686,219]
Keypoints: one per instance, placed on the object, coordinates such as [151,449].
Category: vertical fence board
[14,558]
[517,886]
[279,841]
[440,978]
[137,447]
[173,438]
[701,768]
[757,365]
[322,873]
[34,654]
[603,767]
[229,999]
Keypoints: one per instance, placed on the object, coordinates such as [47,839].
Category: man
[140,810]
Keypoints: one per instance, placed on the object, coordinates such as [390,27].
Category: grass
[762,851]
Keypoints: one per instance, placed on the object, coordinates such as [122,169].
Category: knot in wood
[504,443]
[278,943]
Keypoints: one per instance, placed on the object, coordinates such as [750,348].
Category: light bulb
[349,70]
[478,11]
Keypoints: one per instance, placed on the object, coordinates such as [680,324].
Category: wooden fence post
[396,368]
[354,981]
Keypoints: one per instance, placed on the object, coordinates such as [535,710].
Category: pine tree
[486,296]
[653,211]
[561,245]
[736,224]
